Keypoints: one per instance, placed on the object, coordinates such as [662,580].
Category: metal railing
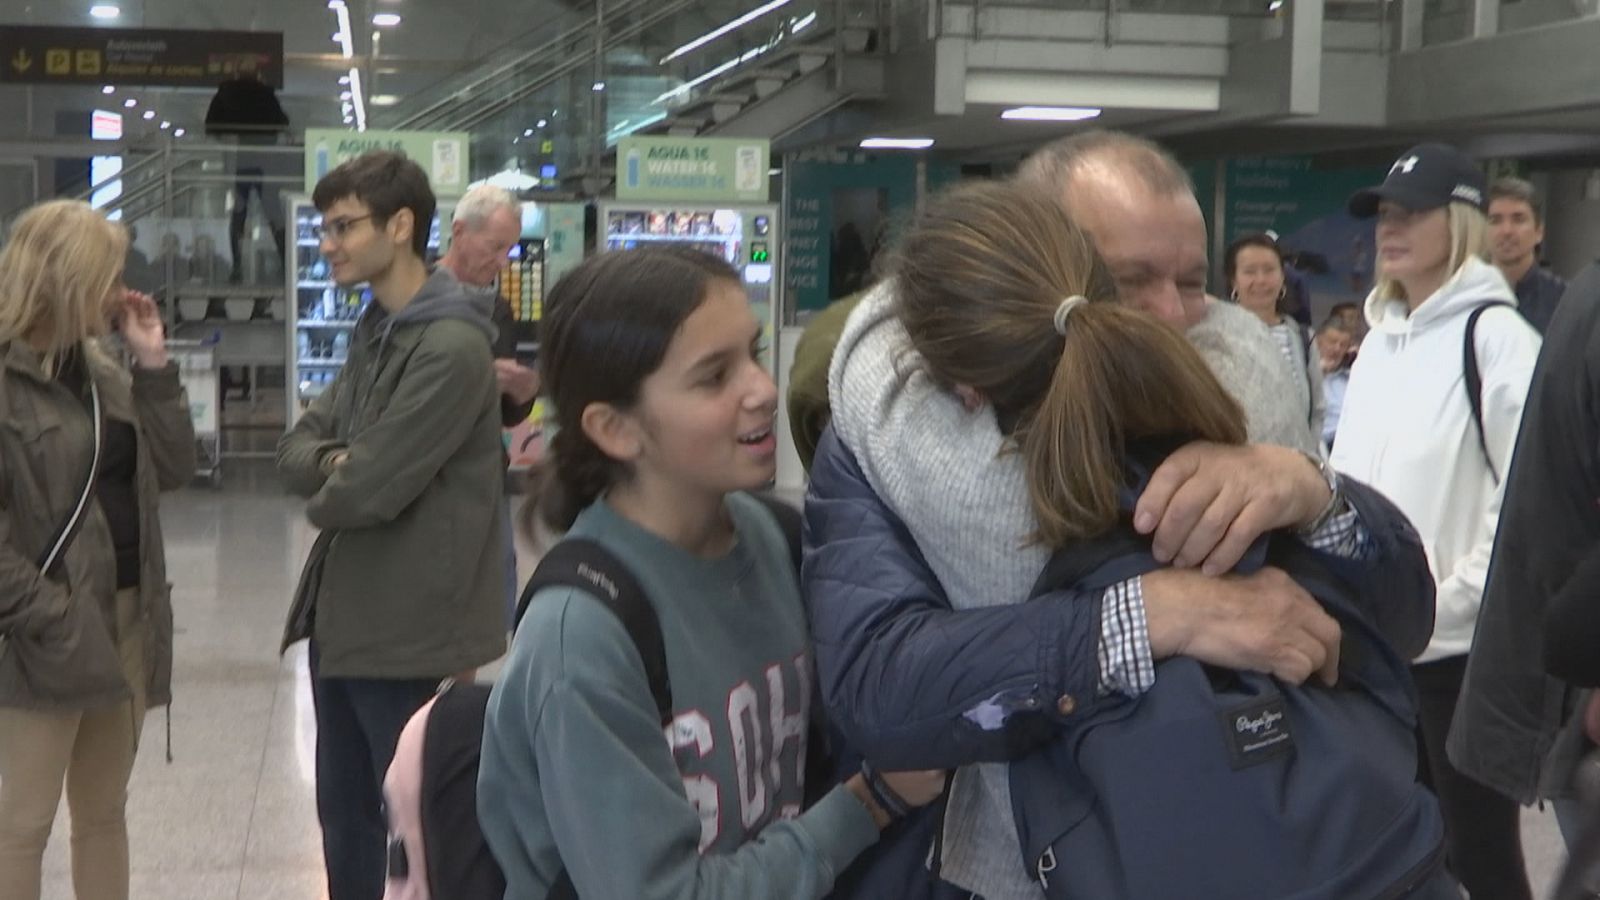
[587,51]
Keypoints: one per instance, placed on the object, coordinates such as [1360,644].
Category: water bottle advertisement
[442,153]
[731,170]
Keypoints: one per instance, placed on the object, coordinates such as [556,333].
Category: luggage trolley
[198,370]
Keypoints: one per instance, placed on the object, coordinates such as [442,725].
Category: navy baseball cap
[1426,177]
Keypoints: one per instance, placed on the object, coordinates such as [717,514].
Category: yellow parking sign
[57,61]
[89,62]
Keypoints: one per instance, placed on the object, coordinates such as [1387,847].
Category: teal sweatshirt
[577,771]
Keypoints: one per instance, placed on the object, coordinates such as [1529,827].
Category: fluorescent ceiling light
[346,46]
[179,133]
[356,95]
[512,179]
[882,143]
[386,20]
[384,100]
[1275,5]
[130,103]
[712,35]
[165,125]
[702,79]
[1052,113]
[344,79]
[104,11]
[803,24]
[149,114]
[542,123]
[628,126]
[108,89]
[599,85]
[527,132]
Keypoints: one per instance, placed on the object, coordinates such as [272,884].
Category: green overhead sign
[442,154]
[693,169]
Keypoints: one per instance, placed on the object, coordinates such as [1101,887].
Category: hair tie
[1065,310]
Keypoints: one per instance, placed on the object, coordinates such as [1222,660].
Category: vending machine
[522,286]
[746,235]
[550,245]
[322,318]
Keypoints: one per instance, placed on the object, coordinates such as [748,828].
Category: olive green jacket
[406,579]
[59,646]
[809,410]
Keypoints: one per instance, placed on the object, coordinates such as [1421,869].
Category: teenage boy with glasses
[400,460]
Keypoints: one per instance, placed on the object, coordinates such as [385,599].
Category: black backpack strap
[1474,381]
[590,567]
[586,565]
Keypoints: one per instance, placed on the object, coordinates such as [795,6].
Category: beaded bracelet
[884,795]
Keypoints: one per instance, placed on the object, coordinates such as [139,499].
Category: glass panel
[1516,15]
[660,60]
[1444,21]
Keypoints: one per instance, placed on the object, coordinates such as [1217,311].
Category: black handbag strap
[1474,381]
[56,549]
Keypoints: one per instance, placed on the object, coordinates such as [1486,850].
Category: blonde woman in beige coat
[86,632]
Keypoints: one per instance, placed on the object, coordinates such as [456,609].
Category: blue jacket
[899,669]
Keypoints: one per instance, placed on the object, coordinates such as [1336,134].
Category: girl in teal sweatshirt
[652,360]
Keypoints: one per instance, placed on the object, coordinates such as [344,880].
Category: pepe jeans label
[1257,733]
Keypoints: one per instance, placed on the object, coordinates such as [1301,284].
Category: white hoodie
[1407,430]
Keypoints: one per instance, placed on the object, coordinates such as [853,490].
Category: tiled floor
[232,818]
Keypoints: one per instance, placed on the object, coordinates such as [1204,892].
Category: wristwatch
[1335,496]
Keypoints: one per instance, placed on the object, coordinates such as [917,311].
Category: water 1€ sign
[442,154]
[693,169]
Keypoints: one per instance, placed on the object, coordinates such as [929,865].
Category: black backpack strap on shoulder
[586,565]
[1474,380]
[590,567]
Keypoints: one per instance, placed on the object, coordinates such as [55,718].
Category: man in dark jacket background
[1515,728]
[486,225]
[402,463]
[247,109]
[1516,230]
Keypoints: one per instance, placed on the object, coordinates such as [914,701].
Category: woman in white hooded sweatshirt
[1409,430]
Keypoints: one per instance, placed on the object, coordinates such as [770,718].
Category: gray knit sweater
[939,467]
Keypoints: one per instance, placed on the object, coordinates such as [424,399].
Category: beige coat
[58,647]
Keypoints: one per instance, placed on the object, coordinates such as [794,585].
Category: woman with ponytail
[1007,413]
[652,359]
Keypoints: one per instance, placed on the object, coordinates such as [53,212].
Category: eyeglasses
[337,228]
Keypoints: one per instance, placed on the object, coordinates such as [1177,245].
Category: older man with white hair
[487,224]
